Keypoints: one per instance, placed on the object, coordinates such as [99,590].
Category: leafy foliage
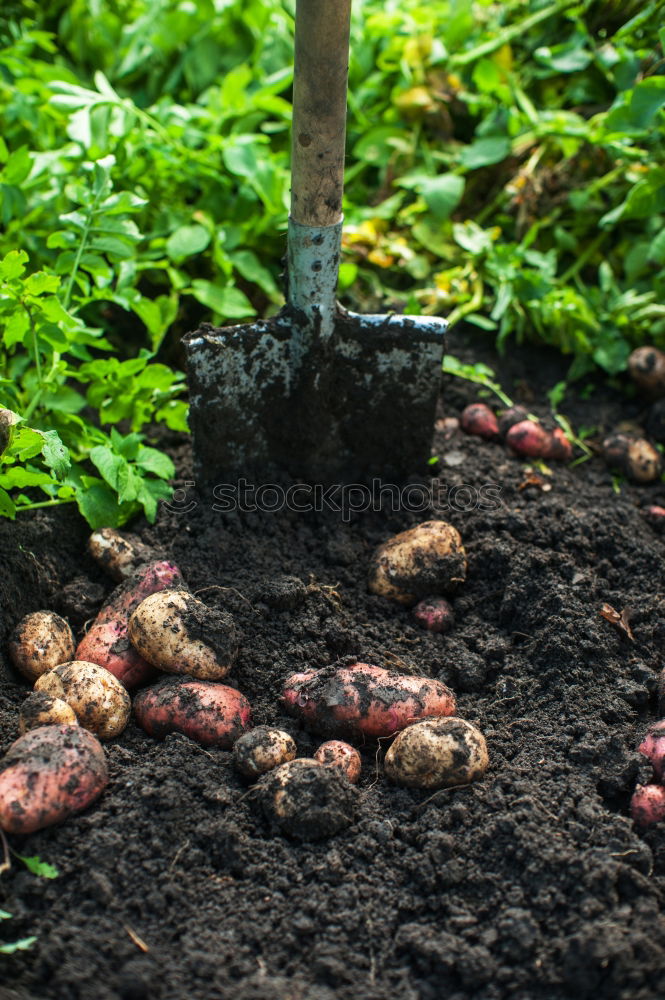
[505,165]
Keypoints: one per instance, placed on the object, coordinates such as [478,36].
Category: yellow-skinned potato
[647,367]
[262,749]
[176,632]
[100,702]
[425,560]
[437,753]
[40,642]
[41,709]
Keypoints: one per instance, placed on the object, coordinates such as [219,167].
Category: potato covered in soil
[427,559]
[107,641]
[213,715]
[434,614]
[176,632]
[647,368]
[635,457]
[306,800]
[41,709]
[528,439]
[98,699]
[262,749]
[508,418]
[647,806]
[47,775]
[478,420]
[120,555]
[363,700]
[559,448]
[336,753]
[40,642]
[653,748]
[437,753]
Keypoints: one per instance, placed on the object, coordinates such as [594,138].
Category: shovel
[324,394]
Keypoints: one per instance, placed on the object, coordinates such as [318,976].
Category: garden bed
[532,883]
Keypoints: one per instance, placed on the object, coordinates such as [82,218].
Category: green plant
[10,947]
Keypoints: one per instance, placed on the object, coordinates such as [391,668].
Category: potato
[181,635]
[647,806]
[478,419]
[508,418]
[41,709]
[49,774]
[427,559]
[558,448]
[306,800]
[210,714]
[528,439]
[635,457]
[434,614]
[98,699]
[262,749]
[341,755]
[40,642]
[119,555]
[363,700]
[647,368]
[107,641]
[653,748]
[437,753]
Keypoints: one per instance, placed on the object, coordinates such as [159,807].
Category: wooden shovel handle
[319,111]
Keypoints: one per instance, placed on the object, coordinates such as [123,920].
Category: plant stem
[510,33]
[582,260]
[45,503]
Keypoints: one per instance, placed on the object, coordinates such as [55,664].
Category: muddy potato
[98,699]
[647,368]
[363,700]
[559,448]
[118,554]
[478,420]
[306,800]
[528,439]
[262,749]
[336,753]
[434,614]
[647,805]
[437,753]
[427,559]
[47,775]
[653,748]
[211,714]
[40,642]
[107,641]
[635,457]
[41,709]
[508,418]
[179,634]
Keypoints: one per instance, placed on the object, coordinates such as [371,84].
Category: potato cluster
[155,634]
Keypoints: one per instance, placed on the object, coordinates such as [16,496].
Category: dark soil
[531,885]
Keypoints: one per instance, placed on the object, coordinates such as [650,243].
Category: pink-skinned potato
[653,748]
[528,439]
[49,774]
[211,714]
[344,757]
[477,419]
[647,805]
[363,700]
[107,640]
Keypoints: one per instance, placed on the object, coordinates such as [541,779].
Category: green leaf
[229,302]
[18,477]
[35,865]
[13,265]
[56,456]
[7,506]
[157,462]
[22,945]
[187,241]
[108,464]
[99,506]
[484,152]
[442,194]
[40,282]
[647,100]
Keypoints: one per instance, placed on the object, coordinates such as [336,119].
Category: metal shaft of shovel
[323,393]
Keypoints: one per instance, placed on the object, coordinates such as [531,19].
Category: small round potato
[41,709]
[434,614]
[437,753]
[40,642]
[344,757]
[647,368]
[427,559]
[98,699]
[306,800]
[635,457]
[179,634]
[262,749]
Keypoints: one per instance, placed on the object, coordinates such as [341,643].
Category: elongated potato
[428,559]
[98,699]
[181,635]
[41,709]
[213,715]
[437,753]
[47,775]
[40,642]
[120,555]
[107,641]
[363,700]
